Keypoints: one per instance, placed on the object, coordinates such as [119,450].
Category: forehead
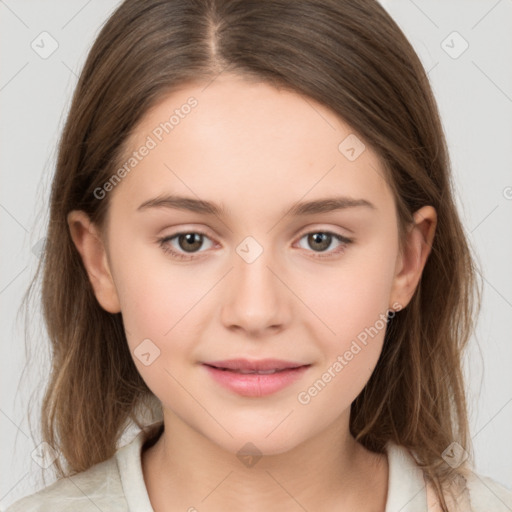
[235,141]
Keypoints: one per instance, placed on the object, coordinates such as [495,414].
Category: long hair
[350,56]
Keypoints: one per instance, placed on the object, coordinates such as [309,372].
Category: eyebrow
[209,208]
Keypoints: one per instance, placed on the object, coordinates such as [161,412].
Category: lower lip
[254,384]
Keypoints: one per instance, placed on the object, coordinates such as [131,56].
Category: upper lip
[255,365]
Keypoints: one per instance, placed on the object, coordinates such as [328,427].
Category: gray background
[474,93]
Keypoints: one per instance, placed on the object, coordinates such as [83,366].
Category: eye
[186,242]
[320,241]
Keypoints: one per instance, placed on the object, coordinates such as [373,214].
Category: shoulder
[486,494]
[109,485]
[97,488]
[472,493]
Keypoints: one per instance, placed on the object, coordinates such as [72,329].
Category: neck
[184,470]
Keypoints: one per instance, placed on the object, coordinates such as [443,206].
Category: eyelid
[186,230]
[315,228]
[165,240]
[319,228]
[164,243]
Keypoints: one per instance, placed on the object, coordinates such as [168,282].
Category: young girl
[304,353]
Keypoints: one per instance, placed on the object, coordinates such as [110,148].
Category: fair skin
[257,151]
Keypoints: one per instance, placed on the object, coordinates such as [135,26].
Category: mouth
[255,378]
[261,366]
[248,372]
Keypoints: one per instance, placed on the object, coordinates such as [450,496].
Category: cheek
[333,389]
[355,309]
[158,316]
[157,295]
[353,304]
[352,297]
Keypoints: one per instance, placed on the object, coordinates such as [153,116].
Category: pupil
[323,239]
[195,240]
[190,239]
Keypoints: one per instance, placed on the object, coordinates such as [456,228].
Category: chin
[263,440]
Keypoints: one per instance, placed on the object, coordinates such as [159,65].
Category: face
[253,318]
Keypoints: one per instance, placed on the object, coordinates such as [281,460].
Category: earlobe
[412,260]
[89,244]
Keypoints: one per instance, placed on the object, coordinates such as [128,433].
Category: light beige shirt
[117,485]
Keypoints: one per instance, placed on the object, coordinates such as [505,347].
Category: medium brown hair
[350,56]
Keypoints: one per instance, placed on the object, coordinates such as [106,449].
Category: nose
[256,301]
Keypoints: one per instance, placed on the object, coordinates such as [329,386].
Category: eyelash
[163,243]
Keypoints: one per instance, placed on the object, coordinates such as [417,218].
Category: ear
[414,254]
[89,244]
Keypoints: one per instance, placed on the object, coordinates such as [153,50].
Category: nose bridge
[256,298]
[254,279]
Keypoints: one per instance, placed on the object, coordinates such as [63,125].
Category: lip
[241,377]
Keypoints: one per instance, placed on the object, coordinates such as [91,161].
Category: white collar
[406,485]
